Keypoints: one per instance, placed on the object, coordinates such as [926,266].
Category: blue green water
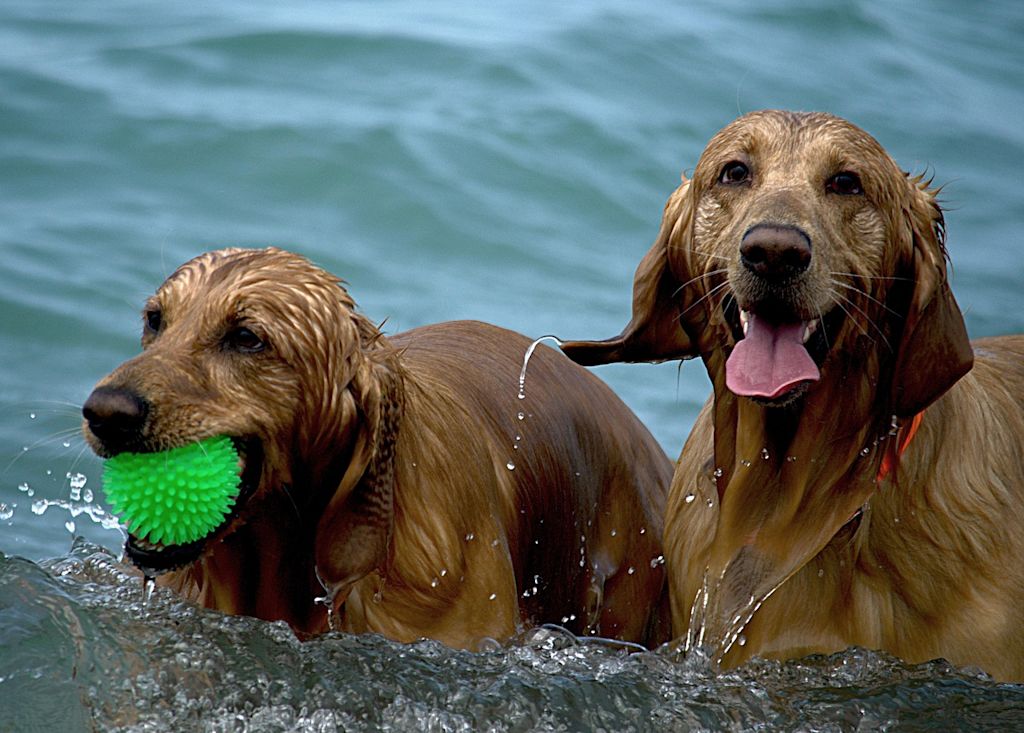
[500,161]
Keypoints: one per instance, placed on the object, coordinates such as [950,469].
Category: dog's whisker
[705,254]
[867,295]
[861,276]
[692,280]
[839,300]
[824,331]
[867,316]
[59,435]
[704,297]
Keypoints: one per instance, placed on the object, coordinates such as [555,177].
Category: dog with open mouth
[852,480]
[394,484]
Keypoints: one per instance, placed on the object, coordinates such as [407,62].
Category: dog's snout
[775,252]
[115,416]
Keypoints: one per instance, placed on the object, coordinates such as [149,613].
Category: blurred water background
[500,161]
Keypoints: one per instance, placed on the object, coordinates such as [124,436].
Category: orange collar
[890,460]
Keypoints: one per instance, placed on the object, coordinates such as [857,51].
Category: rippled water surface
[82,650]
[500,161]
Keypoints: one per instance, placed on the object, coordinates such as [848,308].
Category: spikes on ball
[176,496]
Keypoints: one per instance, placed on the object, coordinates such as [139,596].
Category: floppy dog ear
[654,332]
[934,351]
[354,531]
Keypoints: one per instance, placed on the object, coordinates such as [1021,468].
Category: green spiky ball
[175,496]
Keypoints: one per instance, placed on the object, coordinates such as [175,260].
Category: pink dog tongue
[769,360]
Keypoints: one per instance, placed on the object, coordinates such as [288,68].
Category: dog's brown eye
[845,184]
[154,319]
[244,341]
[734,172]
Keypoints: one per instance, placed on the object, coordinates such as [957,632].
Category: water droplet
[719,472]
[494,543]
[378,596]
[526,360]
[614,532]
[434,582]
[741,640]
[6,511]
[510,466]
[31,416]
[643,530]
[711,502]
[689,498]
[745,463]
[791,459]
[630,570]
[492,596]
[821,572]
[38,507]
[764,453]
[70,526]
[520,415]
[469,537]
[87,496]
[23,487]
[444,572]
[659,560]
[148,586]
[865,451]
[66,444]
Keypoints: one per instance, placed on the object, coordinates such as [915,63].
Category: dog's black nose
[775,252]
[115,416]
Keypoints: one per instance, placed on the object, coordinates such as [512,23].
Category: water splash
[526,361]
[97,514]
[698,617]
[733,631]
[148,587]
[327,601]
[77,482]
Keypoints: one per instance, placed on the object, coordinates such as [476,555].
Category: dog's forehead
[783,134]
[232,276]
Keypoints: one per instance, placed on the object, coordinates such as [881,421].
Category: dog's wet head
[223,354]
